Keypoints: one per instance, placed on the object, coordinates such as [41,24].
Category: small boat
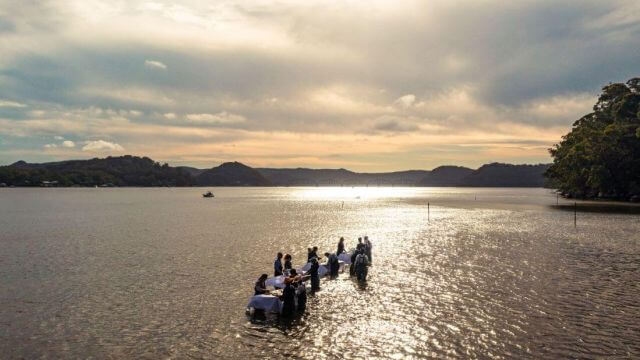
[208,194]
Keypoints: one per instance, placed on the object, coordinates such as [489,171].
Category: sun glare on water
[355,193]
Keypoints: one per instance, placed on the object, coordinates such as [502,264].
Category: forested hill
[231,174]
[506,175]
[142,171]
[111,171]
[340,177]
[600,156]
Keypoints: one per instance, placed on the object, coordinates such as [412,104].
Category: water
[157,273]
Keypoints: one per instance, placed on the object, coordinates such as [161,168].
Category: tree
[600,156]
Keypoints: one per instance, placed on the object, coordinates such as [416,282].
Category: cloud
[393,125]
[155,64]
[477,74]
[11,104]
[101,146]
[68,144]
[222,118]
[50,146]
[405,101]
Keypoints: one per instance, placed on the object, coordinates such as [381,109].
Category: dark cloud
[394,126]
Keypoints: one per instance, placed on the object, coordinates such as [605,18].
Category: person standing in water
[340,246]
[287,262]
[301,289]
[313,254]
[261,288]
[362,263]
[288,298]
[352,267]
[368,247]
[333,263]
[277,265]
[315,278]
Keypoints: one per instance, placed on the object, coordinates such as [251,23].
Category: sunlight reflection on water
[164,273]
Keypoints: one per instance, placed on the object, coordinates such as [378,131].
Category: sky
[364,85]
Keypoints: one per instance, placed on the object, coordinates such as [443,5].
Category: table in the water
[163,272]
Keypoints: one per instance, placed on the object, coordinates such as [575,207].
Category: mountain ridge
[142,171]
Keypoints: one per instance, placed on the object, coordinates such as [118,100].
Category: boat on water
[208,194]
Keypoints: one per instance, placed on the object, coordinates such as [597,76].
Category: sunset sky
[364,85]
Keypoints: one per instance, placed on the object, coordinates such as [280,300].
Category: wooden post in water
[557,196]
[575,214]
[428,213]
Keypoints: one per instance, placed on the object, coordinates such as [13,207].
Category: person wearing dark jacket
[288,298]
[287,262]
[315,278]
[313,254]
[352,267]
[261,288]
[340,246]
[334,265]
[301,289]
[361,265]
[368,246]
[277,265]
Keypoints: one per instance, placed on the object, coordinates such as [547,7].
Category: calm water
[157,273]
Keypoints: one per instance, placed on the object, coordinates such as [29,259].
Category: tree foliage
[117,171]
[600,156]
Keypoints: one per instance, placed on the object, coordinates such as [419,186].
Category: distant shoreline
[142,171]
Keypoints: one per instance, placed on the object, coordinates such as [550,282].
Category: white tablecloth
[276,282]
[323,270]
[306,267]
[346,257]
[268,303]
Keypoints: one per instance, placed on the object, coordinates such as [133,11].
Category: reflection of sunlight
[355,193]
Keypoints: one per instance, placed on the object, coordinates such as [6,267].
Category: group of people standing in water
[294,283]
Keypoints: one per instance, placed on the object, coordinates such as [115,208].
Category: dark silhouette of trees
[117,171]
[600,156]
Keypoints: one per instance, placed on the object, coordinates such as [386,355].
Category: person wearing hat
[261,288]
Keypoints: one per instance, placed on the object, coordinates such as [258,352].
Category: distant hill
[141,171]
[490,175]
[231,174]
[111,171]
[339,177]
[445,176]
[506,175]
[191,170]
